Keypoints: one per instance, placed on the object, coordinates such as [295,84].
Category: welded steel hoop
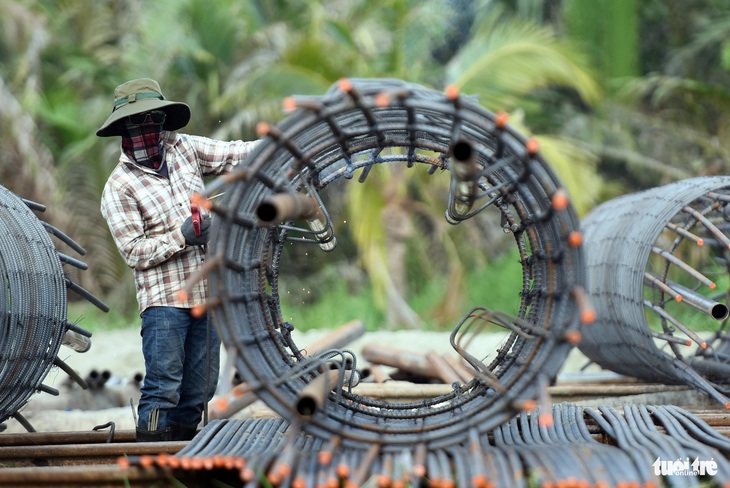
[649,256]
[339,137]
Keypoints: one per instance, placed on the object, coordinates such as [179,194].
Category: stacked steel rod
[33,304]
[635,446]
[274,201]
[658,277]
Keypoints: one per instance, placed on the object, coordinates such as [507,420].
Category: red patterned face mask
[143,143]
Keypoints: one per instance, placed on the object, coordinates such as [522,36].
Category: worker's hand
[188,232]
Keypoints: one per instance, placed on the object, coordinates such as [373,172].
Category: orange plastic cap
[501,119]
[560,200]
[289,104]
[345,85]
[587,317]
[575,239]
[452,92]
[262,129]
[382,100]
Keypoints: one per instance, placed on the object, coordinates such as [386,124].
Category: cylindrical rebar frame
[654,261]
[355,125]
[33,304]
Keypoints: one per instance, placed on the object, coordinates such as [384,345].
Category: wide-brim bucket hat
[143,95]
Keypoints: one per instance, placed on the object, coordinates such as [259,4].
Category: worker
[146,203]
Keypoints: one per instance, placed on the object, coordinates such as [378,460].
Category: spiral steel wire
[33,304]
[582,447]
[654,263]
[339,137]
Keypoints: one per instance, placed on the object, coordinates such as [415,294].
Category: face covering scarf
[143,144]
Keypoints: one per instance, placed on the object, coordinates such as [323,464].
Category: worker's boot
[180,432]
[159,435]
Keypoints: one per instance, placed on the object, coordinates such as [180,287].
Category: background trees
[623,94]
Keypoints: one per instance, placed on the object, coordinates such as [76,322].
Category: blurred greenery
[622,94]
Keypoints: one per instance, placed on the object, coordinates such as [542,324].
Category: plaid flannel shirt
[145,212]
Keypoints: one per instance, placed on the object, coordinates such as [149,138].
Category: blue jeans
[178,378]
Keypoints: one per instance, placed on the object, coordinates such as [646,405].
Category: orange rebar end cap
[247,474]
[480,481]
[575,238]
[146,461]
[285,470]
[173,462]
[532,146]
[501,119]
[703,345]
[452,92]
[382,100]
[342,471]
[712,286]
[200,200]
[275,478]
[573,337]
[198,311]
[263,129]
[289,104]
[560,200]
[545,419]
[221,404]
[525,405]
[587,317]
[419,471]
[324,457]
[384,481]
[345,84]
[123,462]
[162,459]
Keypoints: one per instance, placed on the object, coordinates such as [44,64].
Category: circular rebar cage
[274,201]
[32,302]
[657,265]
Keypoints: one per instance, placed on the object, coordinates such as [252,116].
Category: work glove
[188,232]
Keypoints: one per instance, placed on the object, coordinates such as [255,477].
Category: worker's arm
[140,249]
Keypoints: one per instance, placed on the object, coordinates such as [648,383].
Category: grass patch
[86,315]
[496,286]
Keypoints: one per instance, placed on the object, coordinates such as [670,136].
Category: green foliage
[496,285]
[234,61]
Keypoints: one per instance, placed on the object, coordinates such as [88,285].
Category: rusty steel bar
[403,359]
[286,206]
[342,336]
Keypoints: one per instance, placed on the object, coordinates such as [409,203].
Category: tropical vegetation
[622,94]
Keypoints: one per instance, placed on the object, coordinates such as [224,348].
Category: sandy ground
[119,353]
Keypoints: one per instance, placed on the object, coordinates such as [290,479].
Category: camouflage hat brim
[139,96]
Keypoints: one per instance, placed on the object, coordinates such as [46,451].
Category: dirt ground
[118,353]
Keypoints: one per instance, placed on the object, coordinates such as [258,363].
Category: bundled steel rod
[339,137]
[582,447]
[655,262]
[33,304]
